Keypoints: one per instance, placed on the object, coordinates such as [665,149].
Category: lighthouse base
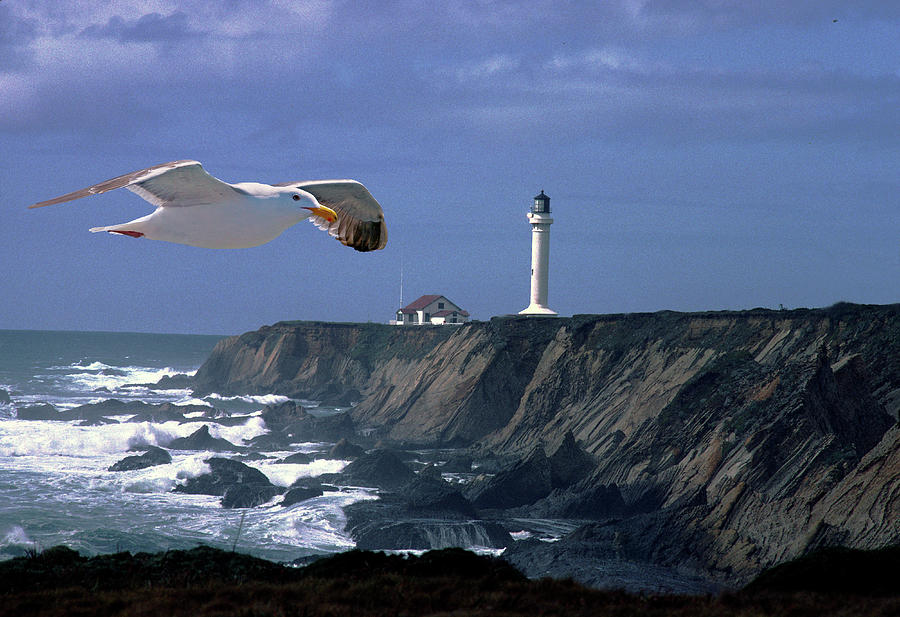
[538,310]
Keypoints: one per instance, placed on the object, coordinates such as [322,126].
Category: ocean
[54,484]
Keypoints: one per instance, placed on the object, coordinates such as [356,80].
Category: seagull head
[306,201]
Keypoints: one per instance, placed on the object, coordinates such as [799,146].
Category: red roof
[419,304]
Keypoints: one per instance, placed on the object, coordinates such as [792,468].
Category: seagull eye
[296,197]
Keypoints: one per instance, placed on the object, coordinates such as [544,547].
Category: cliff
[757,435]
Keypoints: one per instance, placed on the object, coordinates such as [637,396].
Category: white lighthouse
[540,220]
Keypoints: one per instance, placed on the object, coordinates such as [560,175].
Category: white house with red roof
[430,309]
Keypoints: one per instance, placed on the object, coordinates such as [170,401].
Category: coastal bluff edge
[736,439]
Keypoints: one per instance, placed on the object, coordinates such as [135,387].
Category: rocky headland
[702,445]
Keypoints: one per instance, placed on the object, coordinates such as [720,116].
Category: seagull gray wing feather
[360,221]
[178,183]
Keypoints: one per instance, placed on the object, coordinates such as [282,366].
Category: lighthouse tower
[540,220]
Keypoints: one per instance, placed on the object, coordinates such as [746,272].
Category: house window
[427,316]
[440,305]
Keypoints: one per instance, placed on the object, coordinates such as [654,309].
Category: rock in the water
[202,440]
[428,494]
[224,474]
[168,412]
[175,382]
[522,484]
[98,421]
[379,468]
[430,534]
[253,456]
[458,464]
[42,411]
[289,423]
[299,493]
[4,396]
[109,407]
[248,495]
[153,456]
[278,416]
[344,450]
[430,471]
[300,458]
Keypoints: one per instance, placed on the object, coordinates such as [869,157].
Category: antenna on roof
[401,277]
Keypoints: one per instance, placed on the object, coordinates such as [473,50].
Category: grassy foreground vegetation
[211,582]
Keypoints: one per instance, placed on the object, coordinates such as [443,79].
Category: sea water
[54,484]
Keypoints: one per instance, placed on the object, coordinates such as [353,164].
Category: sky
[699,155]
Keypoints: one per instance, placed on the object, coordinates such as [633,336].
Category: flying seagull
[194,208]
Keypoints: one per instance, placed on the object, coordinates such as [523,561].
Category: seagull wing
[179,183]
[360,221]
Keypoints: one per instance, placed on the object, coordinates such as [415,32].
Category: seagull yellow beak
[324,212]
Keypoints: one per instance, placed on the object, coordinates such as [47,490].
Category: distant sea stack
[750,437]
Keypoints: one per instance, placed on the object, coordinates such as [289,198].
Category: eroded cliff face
[755,435]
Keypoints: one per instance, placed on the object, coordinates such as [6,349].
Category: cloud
[16,36]
[149,28]
[606,58]
[501,63]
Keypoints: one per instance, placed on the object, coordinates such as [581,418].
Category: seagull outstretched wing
[360,221]
[178,183]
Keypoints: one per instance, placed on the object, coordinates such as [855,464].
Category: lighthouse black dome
[541,203]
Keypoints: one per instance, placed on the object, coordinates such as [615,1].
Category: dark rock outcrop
[41,411]
[430,534]
[569,463]
[174,382]
[4,397]
[343,450]
[585,500]
[98,421]
[300,458]
[289,423]
[380,469]
[520,485]
[153,456]
[431,494]
[301,491]
[228,475]
[461,463]
[202,440]
[248,495]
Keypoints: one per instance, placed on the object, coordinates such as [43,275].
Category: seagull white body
[244,221]
[197,209]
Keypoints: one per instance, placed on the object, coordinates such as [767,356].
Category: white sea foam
[254,427]
[187,399]
[99,375]
[34,437]
[16,535]
[316,523]
[284,474]
[262,399]
[161,478]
